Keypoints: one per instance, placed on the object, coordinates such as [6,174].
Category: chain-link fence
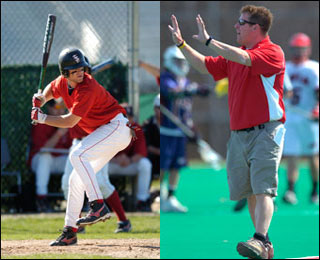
[102,30]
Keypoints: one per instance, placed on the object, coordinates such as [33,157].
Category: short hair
[260,15]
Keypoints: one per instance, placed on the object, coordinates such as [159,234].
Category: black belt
[262,126]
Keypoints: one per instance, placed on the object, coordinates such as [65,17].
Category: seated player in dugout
[133,161]
[42,162]
[98,113]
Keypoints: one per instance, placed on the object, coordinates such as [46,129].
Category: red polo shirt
[255,94]
[89,100]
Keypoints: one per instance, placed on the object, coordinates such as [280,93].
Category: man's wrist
[209,40]
[181,45]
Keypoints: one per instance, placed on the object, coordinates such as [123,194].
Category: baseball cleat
[67,238]
[98,212]
[123,226]
[253,249]
[81,230]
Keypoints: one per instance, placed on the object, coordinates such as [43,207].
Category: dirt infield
[118,248]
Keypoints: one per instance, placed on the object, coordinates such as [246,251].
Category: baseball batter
[98,114]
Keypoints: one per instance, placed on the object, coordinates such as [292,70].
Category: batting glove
[38,100]
[133,130]
[37,115]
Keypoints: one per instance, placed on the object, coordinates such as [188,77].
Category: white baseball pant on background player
[88,157]
[42,165]
[302,137]
[102,177]
[142,168]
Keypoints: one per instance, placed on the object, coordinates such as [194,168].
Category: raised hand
[202,36]
[175,31]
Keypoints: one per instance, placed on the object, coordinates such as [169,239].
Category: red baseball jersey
[77,132]
[40,134]
[137,146]
[89,100]
[255,94]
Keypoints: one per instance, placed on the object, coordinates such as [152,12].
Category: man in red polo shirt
[255,73]
[96,112]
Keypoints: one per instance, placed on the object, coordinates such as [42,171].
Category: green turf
[211,230]
[43,227]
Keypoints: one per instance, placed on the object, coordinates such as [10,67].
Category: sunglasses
[243,22]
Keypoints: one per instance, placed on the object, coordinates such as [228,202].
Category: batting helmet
[87,69]
[71,59]
[175,61]
[300,40]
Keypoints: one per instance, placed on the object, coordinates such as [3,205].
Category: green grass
[44,227]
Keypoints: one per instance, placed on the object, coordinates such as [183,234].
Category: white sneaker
[315,199]
[163,191]
[172,205]
[290,197]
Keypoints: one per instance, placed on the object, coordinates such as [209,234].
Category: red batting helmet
[300,40]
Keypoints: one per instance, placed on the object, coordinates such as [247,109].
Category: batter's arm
[47,92]
[63,121]
[45,96]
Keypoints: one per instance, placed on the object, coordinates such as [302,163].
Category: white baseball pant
[143,168]
[43,164]
[102,176]
[88,157]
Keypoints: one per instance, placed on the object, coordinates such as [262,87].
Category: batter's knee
[75,157]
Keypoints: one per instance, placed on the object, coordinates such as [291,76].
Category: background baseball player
[302,137]
[98,114]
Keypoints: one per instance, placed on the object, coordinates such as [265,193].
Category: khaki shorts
[253,159]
